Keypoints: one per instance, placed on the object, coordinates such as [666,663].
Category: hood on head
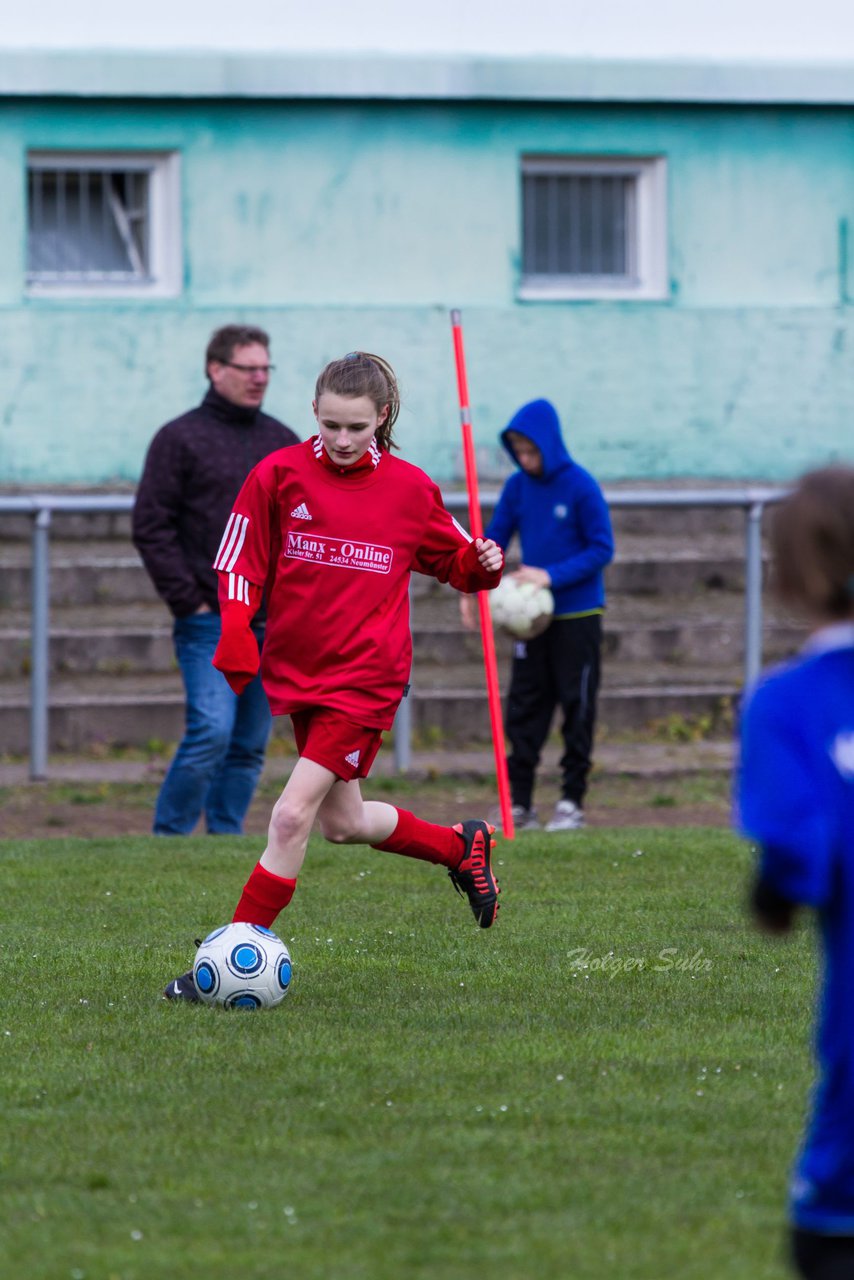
[538,421]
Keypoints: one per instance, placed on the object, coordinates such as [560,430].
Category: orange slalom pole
[487,636]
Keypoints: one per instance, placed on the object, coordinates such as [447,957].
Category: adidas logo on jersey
[301,512]
[353,759]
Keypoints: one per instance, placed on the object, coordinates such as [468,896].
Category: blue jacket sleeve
[594,522]
[505,517]
[778,804]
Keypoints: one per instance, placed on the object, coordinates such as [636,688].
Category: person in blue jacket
[795,799]
[561,518]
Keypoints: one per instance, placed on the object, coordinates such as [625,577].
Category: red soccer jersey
[334,548]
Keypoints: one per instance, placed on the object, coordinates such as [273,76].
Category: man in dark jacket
[194,469]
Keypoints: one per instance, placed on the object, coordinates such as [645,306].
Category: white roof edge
[153,74]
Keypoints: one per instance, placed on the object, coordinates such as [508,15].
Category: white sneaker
[567,817]
[525,819]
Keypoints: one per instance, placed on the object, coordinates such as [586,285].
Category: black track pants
[560,668]
[818,1257]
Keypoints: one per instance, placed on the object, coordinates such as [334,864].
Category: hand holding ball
[521,608]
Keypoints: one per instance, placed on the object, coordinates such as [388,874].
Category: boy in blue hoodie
[561,517]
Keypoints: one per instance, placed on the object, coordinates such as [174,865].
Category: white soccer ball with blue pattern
[521,608]
[242,966]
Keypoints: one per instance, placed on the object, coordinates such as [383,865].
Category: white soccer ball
[242,966]
[521,608]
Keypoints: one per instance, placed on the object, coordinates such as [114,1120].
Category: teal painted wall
[337,225]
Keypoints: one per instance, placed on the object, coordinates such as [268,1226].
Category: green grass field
[610,1083]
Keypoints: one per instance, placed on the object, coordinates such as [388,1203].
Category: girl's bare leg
[293,817]
[345,818]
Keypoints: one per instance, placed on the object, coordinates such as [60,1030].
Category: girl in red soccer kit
[331,529]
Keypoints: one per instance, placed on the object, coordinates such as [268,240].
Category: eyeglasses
[251,369]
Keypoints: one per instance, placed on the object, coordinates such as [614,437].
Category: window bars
[88,225]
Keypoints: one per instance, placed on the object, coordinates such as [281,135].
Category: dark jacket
[193,471]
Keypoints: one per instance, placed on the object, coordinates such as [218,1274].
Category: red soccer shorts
[330,739]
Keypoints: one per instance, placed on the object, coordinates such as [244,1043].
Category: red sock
[417,839]
[264,896]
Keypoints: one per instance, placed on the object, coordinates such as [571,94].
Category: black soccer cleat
[473,877]
[183,988]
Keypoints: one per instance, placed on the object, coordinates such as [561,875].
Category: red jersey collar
[369,460]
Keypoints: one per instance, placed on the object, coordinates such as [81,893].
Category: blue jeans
[218,763]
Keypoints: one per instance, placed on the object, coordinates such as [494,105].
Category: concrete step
[111,572]
[97,649]
[118,654]
[682,643]
[659,759]
[691,632]
[458,675]
[71,527]
[83,714]
[657,542]
[463,716]
[695,610]
[654,521]
[87,580]
[121,579]
[680,573]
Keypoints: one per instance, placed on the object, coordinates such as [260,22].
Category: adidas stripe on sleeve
[238,588]
[232,542]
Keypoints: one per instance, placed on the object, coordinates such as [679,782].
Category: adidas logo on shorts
[353,759]
[301,512]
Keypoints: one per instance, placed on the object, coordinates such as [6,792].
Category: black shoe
[183,988]
[473,876]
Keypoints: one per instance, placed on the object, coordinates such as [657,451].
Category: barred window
[593,227]
[102,223]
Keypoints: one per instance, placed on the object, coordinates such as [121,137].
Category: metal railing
[41,508]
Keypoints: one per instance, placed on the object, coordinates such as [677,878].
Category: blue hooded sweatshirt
[561,516]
